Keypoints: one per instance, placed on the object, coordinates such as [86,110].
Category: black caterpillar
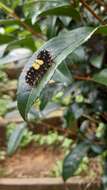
[38,68]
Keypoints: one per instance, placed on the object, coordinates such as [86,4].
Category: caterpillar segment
[39,68]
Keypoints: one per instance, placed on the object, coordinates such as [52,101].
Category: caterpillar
[39,67]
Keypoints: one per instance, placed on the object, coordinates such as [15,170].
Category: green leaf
[42,8]
[102,29]
[15,139]
[73,159]
[2,49]
[65,20]
[101,77]
[62,74]
[97,60]
[8,21]
[64,10]
[51,27]
[49,91]
[49,108]
[69,119]
[24,42]
[4,39]
[60,47]
[12,22]
[15,55]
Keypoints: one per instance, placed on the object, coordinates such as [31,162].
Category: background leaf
[15,55]
[15,139]
[101,77]
[65,10]
[6,38]
[73,159]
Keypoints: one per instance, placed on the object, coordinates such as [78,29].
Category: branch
[83,78]
[92,12]
[100,2]
[24,24]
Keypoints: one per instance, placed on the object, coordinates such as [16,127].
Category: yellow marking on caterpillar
[39,61]
[36,66]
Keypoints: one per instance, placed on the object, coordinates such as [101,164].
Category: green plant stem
[24,24]
[5,8]
[92,12]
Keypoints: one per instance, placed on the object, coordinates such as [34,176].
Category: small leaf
[73,159]
[2,49]
[64,10]
[62,75]
[49,91]
[4,39]
[15,139]
[15,55]
[24,42]
[51,26]
[69,120]
[101,77]
[8,22]
[54,8]
[50,107]
[97,60]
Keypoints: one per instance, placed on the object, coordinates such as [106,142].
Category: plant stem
[90,118]
[100,2]
[5,8]
[24,24]
[92,12]
[83,78]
